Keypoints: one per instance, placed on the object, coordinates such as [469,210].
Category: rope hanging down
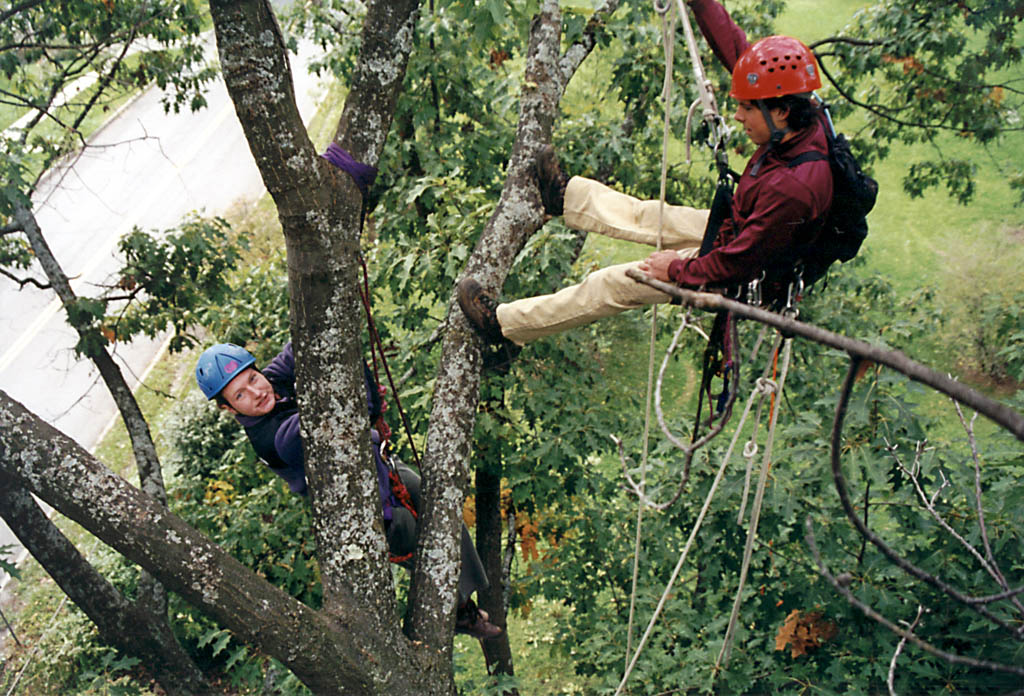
[726,328]
[719,135]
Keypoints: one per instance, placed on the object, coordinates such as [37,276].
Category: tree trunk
[517,215]
[498,652]
[133,629]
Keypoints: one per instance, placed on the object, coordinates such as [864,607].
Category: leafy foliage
[169,278]
[918,70]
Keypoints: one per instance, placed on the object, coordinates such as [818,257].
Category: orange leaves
[910,64]
[804,632]
[469,511]
[528,539]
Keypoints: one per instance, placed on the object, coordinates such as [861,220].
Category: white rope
[35,648]
[668,31]
[755,512]
[693,534]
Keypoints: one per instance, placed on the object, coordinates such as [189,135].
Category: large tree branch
[517,215]
[146,460]
[134,629]
[336,654]
[319,207]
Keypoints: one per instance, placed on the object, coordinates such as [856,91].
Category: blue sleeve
[282,367]
[288,444]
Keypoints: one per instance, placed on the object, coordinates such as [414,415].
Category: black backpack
[845,226]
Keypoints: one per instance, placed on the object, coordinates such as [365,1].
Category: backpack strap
[811,156]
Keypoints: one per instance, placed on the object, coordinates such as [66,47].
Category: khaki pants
[593,207]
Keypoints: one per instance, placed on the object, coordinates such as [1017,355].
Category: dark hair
[802,111]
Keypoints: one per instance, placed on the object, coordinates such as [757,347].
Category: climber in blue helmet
[265,405]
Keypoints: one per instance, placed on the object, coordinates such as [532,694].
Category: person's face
[750,117]
[249,394]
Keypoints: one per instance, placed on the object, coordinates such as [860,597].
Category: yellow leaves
[218,493]
[469,511]
[996,95]
[804,632]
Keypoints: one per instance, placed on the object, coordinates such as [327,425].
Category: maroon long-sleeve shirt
[772,211]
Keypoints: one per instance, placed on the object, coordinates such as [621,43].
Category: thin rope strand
[693,535]
[755,514]
[668,31]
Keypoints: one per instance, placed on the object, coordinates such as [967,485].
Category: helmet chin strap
[777,134]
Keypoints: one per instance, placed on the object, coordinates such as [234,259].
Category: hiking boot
[551,180]
[481,310]
[474,622]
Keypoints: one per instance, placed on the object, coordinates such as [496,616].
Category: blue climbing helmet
[220,364]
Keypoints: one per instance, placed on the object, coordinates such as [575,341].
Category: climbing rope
[755,510]
[668,32]
[764,388]
[758,393]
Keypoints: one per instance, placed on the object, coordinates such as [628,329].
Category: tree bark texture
[331,654]
[319,208]
[456,392]
[133,629]
[319,211]
[518,215]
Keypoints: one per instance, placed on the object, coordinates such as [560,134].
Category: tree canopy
[451,101]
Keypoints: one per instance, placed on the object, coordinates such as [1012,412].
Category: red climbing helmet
[773,67]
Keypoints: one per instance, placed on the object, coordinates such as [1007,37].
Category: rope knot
[750,449]
[766,386]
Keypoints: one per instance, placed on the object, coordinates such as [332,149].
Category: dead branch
[999,413]
[910,636]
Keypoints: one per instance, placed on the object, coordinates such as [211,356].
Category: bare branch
[15,9]
[842,588]
[899,649]
[887,113]
[896,559]
[999,413]
[22,282]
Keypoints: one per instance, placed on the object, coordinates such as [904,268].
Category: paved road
[145,168]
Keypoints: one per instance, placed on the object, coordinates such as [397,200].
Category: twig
[898,560]
[899,649]
[909,635]
[22,282]
[929,505]
[10,629]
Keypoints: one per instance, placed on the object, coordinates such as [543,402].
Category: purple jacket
[275,436]
[772,211]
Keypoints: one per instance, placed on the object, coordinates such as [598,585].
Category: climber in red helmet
[776,206]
